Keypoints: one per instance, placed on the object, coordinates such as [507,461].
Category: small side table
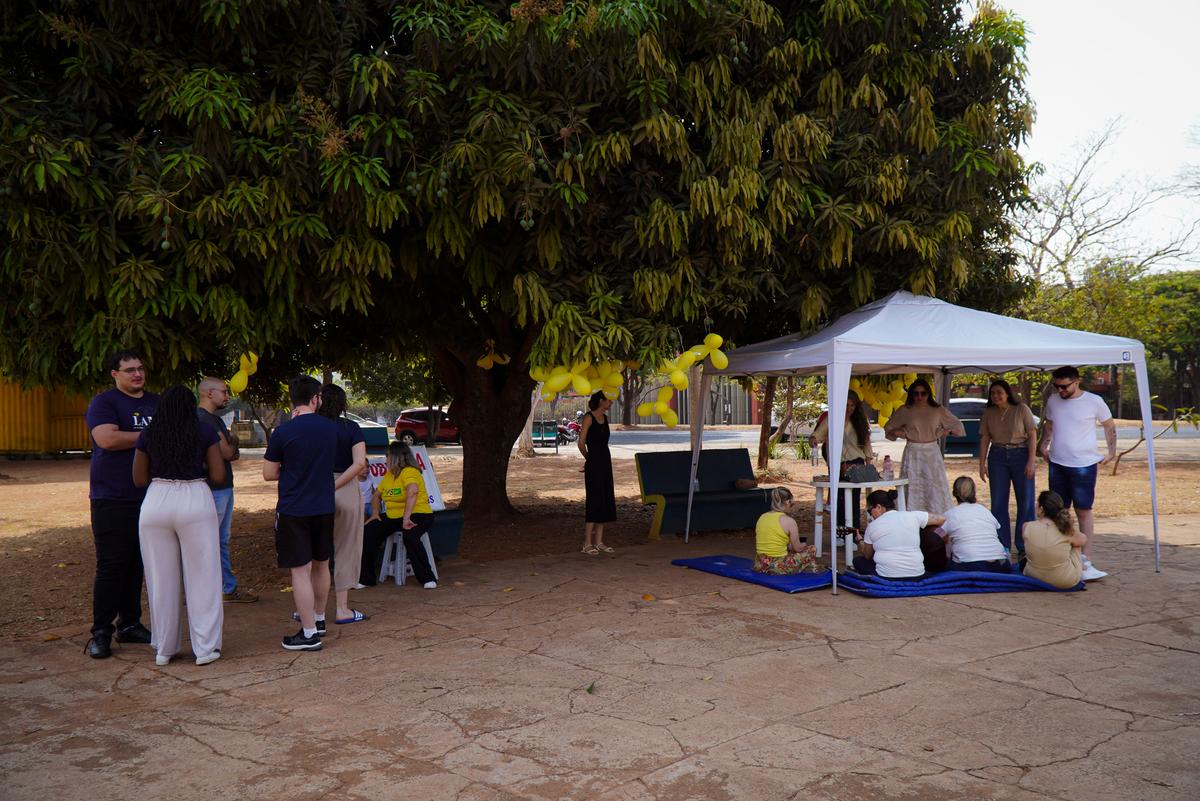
[822,483]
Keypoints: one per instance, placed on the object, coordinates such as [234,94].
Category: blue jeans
[223,498]
[1075,485]
[1005,466]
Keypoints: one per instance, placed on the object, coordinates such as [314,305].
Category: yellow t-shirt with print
[392,490]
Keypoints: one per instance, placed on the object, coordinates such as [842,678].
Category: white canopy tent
[906,333]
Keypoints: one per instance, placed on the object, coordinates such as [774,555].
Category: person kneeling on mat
[973,533]
[777,546]
[891,546]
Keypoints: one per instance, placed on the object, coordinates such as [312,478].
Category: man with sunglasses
[1069,445]
[115,418]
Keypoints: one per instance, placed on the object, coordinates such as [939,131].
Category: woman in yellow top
[1052,544]
[405,502]
[778,550]
[922,423]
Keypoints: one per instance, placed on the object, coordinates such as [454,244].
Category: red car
[412,426]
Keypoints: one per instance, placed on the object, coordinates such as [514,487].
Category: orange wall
[41,420]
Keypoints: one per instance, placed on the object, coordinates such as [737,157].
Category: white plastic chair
[395,559]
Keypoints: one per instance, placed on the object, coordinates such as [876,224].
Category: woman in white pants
[178,526]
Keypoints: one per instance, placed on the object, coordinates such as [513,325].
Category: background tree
[553,180]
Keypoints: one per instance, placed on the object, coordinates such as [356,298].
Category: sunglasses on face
[920,394]
[1061,387]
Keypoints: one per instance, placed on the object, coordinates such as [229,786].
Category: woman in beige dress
[1052,544]
[921,422]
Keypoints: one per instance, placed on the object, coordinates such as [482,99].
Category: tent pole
[1143,386]
[697,426]
[837,387]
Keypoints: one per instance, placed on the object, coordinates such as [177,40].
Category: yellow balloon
[661,408]
[559,369]
[549,397]
[244,364]
[856,386]
[699,351]
[714,341]
[664,394]
[685,360]
[578,368]
[538,373]
[237,384]
[557,382]
[679,380]
[670,418]
[719,359]
[645,409]
[613,380]
[616,366]
[581,385]
[592,374]
[603,369]
[667,367]
[611,394]
[883,418]
[909,378]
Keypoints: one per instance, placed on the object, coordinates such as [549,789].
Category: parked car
[374,434]
[412,426]
[970,411]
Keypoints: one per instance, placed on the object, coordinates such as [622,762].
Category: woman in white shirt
[891,545]
[973,534]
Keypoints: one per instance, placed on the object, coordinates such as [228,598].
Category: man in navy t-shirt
[115,418]
[300,455]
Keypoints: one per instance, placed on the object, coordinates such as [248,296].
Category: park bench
[718,503]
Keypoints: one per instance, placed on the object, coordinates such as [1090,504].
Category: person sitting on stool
[405,500]
[891,546]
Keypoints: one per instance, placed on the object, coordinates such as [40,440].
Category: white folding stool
[395,559]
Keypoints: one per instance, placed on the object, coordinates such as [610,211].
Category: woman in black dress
[601,506]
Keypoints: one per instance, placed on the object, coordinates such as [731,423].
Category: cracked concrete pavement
[625,679]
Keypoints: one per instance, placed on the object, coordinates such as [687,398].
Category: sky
[1091,62]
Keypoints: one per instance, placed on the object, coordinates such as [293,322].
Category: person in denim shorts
[1069,445]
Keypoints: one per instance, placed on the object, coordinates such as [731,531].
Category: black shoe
[134,633]
[99,646]
[320,624]
[298,642]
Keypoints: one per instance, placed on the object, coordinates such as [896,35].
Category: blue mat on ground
[739,567]
[948,583]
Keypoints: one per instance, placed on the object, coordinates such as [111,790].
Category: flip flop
[605,548]
[590,550]
[357,617]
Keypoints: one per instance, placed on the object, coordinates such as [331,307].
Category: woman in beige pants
[348,463]
[178,529]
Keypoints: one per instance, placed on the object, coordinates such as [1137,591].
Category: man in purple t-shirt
[115,418]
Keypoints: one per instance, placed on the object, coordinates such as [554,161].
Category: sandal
[590,550]
[357,617]
[605,548]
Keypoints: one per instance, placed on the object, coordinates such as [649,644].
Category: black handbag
[862,473]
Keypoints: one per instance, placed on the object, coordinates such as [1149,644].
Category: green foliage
[199,178]
[384,379]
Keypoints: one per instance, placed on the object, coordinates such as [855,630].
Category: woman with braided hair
[178,529]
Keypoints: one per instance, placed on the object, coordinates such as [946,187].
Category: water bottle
[888,473]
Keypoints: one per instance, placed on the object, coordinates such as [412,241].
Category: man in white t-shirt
[1069,445]
[891,545]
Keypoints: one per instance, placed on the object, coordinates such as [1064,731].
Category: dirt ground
[48,559]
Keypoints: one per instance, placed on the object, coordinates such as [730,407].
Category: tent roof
[912,333]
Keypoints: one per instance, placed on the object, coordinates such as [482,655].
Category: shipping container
[40,420]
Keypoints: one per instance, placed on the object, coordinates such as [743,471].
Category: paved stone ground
[700,688]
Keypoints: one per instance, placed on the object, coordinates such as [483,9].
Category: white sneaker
[358,586]
[208,658]
[432,585]
[162,661]
[1090,573]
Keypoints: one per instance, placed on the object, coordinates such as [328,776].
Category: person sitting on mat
[972,533]
[1052,544]
[406,510]
[891,545]
[778,550]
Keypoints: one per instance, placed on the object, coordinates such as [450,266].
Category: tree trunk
[525,442]
[764,430]
[789,405]
[490,408]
